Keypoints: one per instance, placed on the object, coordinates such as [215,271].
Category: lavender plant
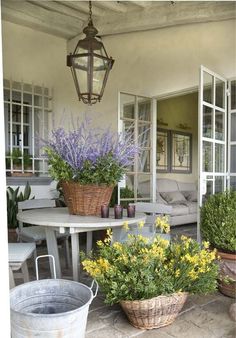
[88,155]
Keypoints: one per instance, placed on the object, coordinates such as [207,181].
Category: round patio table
[59,219]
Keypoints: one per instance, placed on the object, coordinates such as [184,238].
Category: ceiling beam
[22,19]
[167,16]
[58,7]
[47,18]
[142,4]
[112,5]
[84,7]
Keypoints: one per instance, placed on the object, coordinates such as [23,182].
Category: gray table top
[60,217]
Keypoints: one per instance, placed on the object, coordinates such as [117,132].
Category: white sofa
[180,196]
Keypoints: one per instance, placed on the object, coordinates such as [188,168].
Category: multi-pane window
[26,109]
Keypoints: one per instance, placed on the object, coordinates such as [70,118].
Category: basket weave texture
[86,200]
[155,312]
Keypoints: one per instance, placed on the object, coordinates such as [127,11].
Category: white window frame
[45,108]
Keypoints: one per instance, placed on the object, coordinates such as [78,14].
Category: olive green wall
[181,109]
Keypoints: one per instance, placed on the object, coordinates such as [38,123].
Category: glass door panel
[232,135]
[212,140]
[135,113]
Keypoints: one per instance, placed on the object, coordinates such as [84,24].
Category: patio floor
[201,317]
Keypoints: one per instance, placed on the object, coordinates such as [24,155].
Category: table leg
[75,255]
[89,242]
[53,250]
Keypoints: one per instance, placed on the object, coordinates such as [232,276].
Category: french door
[137,115]
[217,136]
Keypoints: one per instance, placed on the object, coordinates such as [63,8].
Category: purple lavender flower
[87,144]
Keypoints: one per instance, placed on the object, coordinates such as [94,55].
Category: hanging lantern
[90,65]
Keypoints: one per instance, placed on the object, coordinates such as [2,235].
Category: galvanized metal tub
[50,308]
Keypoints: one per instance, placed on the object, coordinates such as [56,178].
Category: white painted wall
[147,63]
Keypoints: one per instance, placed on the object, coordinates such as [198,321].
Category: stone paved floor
[201,316]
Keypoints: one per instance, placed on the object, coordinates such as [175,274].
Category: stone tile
[189,305]
[230,334]
[107,332]
[155,333]
[104,316]
[184,329]
[122,324]
[213,317]
[204,299]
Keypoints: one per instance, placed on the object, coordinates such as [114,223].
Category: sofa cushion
[173,197]
[179,209]
[190,196]
[160,199]
[192,207]
[166,185]
[186,186]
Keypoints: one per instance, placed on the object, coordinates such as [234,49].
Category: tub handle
[37,268]
[96,290]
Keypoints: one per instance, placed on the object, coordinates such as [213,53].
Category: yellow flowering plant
[141,269]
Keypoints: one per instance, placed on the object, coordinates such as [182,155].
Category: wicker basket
[155,312]
[86,200]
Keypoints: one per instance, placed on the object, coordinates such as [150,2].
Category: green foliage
[59,170]
[139,269]
[13,197]
[218,221]
[124,193]
[105,171]
[16,156]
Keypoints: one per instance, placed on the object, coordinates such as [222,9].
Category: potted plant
[218,226]
[151,279]
[18,159]
[13,197]
[88,163]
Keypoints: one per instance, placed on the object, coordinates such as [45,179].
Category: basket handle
[96,290]
[37,268]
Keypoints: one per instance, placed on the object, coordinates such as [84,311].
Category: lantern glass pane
[81,76]
[99,72]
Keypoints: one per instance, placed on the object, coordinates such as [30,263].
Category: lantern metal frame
[90,44]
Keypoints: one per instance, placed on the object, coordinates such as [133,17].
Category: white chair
[18,253]
[36,233]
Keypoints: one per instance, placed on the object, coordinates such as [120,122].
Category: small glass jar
[104,211]
[131,210]
[118,211]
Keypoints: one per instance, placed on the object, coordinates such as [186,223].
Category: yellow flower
[109,236]
[99,243]
[193,274]
[205,244]
[141,224]
[177,273]
[117,246]
[162,223]
[126,226]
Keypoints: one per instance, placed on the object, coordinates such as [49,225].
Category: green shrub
[218,221]
[124,193]
[13,197]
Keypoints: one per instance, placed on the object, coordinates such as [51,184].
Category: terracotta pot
[227,269]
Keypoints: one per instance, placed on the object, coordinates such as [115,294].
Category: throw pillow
[191,196]
[173,197]
[160,199]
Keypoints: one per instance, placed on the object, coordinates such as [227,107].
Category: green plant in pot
[151,279]
[13,197]
[88,163]
[17,158]
[218,226]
